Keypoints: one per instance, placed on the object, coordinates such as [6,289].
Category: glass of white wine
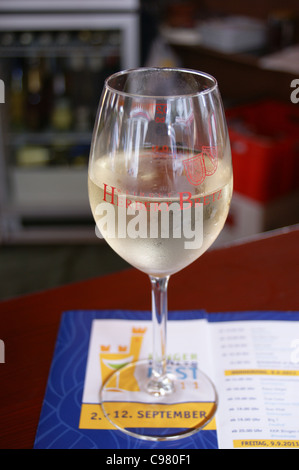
[160,185]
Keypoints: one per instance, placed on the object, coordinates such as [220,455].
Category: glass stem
[159,383]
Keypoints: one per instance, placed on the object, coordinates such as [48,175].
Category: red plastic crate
[265,148]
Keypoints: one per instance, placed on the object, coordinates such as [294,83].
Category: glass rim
[206,75]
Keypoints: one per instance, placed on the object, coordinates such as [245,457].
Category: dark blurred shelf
[239,76]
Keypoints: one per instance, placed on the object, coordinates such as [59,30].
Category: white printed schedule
[256,367]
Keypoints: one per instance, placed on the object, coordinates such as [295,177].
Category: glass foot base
[187,406]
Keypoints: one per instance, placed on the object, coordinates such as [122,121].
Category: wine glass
[160,185]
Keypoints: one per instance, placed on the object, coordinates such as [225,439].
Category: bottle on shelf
[37,91]
[17,96]
[61,117]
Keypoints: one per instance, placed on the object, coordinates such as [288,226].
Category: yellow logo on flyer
[113,361]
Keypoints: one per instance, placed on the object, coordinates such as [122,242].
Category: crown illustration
[122,348]
[139,330]
[105,348]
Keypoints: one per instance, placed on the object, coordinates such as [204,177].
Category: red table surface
[258,275]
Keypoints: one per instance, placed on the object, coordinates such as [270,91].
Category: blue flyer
[252,357]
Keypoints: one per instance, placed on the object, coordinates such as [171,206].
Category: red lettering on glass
[161,108]
[112,189]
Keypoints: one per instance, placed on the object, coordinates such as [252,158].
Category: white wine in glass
[160,185]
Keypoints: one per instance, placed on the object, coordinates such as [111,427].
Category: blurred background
[54,57]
